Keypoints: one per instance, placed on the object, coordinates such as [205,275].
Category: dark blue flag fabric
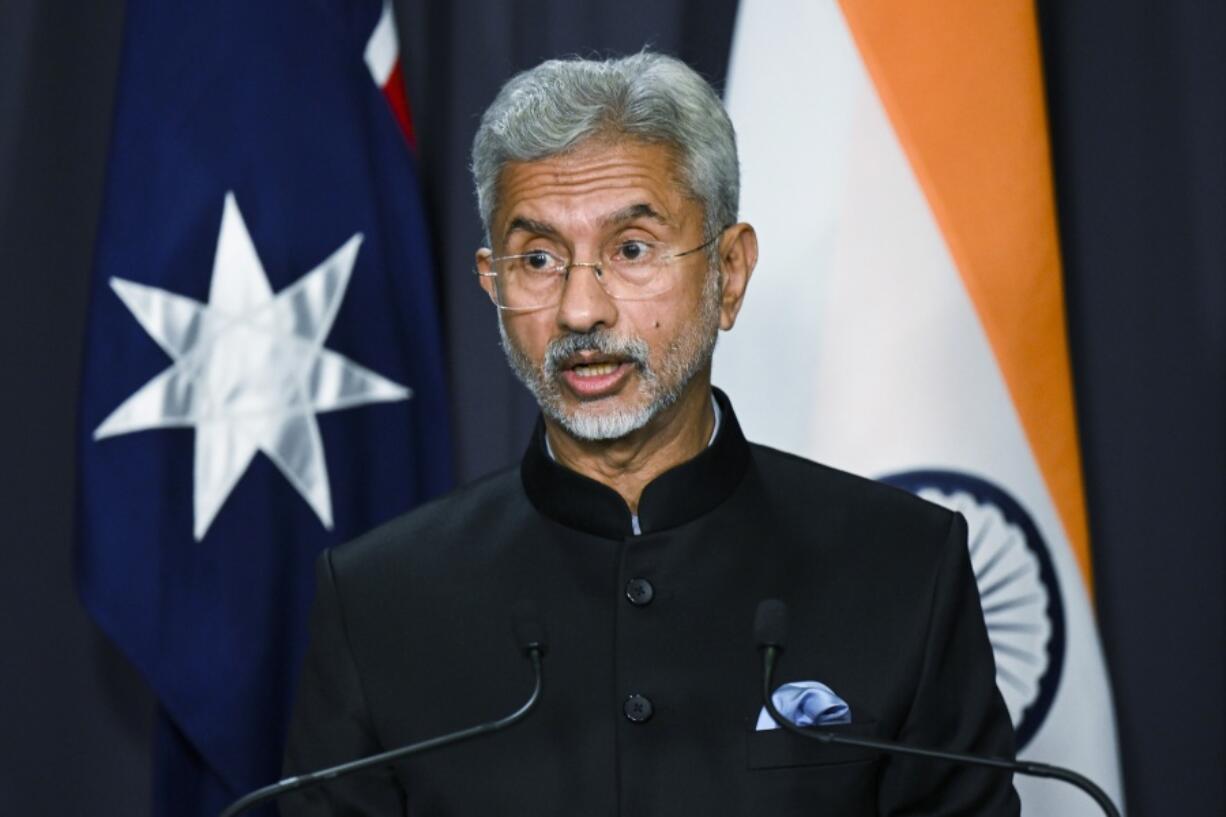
[263,373]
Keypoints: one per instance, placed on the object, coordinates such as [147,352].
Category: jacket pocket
[778,748]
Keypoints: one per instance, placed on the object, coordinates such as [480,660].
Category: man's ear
[738,255]
[483,271]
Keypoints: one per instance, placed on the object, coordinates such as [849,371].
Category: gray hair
[560,104]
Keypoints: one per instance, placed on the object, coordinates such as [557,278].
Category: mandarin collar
[679,495]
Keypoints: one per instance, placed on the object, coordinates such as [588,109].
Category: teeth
[595,369]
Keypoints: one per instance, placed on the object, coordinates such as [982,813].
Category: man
[642,524]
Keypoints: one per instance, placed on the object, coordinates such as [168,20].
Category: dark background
[1137,99]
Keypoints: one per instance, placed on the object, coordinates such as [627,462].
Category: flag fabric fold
[263,374]
[906,319]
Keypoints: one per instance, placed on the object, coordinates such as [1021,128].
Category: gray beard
[687,355]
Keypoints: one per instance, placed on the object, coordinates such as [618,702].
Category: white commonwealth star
[250,372]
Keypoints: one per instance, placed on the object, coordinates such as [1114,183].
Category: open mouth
[595,369]
[593,376]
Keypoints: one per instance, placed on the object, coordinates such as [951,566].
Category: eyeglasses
[628,270]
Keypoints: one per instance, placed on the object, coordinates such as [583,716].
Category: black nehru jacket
[652,679]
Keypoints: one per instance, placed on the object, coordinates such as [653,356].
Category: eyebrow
[531,225]
[626,214]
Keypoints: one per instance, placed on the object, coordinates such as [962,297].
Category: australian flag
[263,373]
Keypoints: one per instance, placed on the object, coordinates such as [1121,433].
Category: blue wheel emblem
[1017,589]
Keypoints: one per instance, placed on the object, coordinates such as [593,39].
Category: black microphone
[770,624]
[770,630]
[529,634]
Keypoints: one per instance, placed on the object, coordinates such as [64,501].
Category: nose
[585,305]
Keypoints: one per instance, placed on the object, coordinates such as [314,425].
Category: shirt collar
[677,496]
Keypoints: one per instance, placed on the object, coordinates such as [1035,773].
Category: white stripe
[382,49]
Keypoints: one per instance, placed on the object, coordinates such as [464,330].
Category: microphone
[770,630]
[770,624]
[529,634]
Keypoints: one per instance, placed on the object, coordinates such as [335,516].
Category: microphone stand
[289,784]
[770,655]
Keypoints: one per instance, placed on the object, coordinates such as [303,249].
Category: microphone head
[770,624]
[528,626]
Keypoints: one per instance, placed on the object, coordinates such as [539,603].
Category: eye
[633,252]
[539,260]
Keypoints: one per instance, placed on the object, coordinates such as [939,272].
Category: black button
[640,592]
[638,708]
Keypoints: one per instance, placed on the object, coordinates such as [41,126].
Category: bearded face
[660,379]
[603,358]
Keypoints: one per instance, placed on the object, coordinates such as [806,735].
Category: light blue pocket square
[806,703]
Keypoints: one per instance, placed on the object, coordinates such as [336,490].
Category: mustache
[601,341]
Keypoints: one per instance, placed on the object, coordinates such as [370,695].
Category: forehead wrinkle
[550,184]
[632,213]
[566,167]
[591,165]
[532,190]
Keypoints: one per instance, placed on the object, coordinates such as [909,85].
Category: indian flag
[906,319]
